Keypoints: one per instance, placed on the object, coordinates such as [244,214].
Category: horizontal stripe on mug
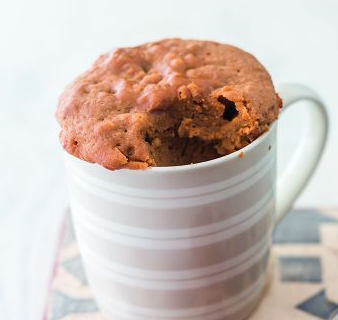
[179,202]
[185,259]
[167,217]
[147,233]
[239,311]
[205,310]
[173,285]
[177,299]
[186,274]
[121,190]
[173,244]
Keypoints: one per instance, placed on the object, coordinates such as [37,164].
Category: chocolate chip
[148,138]
[230,111]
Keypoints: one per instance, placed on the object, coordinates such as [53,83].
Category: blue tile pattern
[64,305]
[300,269]
[75,267]
[300,226]
[319,306]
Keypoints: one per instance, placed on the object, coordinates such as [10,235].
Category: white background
[45,44]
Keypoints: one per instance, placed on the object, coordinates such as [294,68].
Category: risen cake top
[170,102]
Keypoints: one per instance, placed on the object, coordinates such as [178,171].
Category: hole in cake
[148,138]
[75,143]
[230,111]
[145,66]
[130,151]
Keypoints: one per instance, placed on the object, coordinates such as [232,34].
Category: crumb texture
[166,103]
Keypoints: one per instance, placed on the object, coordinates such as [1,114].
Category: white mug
[189,242]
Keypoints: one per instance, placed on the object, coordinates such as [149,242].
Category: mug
[189,242]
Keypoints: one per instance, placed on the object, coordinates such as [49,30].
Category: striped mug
[189,242]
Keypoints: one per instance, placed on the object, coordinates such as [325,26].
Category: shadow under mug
[189,242]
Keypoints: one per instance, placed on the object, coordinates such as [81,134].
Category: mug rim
[217,161]
[193,166]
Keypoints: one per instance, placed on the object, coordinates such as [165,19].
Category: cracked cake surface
[166,103]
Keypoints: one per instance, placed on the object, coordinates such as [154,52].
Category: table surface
[304,265]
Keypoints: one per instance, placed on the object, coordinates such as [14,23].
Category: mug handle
[303,163]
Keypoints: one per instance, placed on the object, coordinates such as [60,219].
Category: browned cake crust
[165,103]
